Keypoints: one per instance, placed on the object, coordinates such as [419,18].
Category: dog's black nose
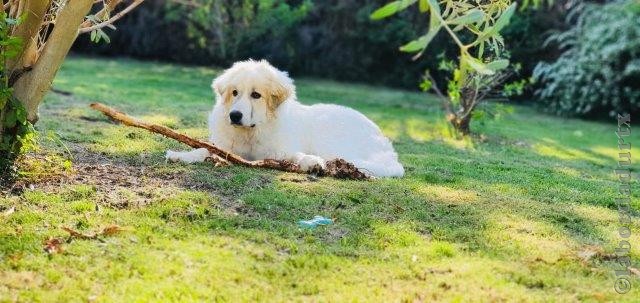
[235,117]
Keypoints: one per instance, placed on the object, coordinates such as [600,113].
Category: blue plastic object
[313,223]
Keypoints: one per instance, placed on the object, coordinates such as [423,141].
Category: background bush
[333,39]
[598,74]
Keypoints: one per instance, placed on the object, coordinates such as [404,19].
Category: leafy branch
[473,75]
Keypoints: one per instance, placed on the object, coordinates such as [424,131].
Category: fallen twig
[61,92]
[337,168]
[107,231]
[79,235]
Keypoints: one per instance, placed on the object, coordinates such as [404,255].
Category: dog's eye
[255,95]
[235,92]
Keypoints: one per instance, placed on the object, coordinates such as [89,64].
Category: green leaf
[477,65]
[472,16]
[497,65]
[391,8]
[504,18]
[92,18]
[435,14]
[11,53]
[434,6]
[426,85]
[420,43]
[104,36]
[93,36]
[11,21]
[10,119]
[502,21]
[423,5]
[21,115]
[13,41]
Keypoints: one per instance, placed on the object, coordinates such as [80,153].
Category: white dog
[257,116]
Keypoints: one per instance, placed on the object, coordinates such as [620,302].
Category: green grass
[503,218]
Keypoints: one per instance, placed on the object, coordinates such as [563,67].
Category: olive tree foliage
[598,73]
[36,36]
[482,64]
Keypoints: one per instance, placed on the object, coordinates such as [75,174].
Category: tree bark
[31,88]
[338,168]
[27,31]
[462,125]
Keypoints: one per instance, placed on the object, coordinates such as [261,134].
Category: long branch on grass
[337,168]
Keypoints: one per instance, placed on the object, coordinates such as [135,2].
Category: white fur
[306,135]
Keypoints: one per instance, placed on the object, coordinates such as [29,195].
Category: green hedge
[333,39]
[598,73]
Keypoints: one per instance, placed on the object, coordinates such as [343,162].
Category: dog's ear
[222,87]
[281,89]
[219,84]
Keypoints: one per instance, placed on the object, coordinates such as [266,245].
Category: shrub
[333,38]
[481,60]
[599,71]
[226,30]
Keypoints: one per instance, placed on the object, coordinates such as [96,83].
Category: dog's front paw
[172,156]
[196,155]
[309,162]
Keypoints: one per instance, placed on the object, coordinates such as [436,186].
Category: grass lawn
[525,213]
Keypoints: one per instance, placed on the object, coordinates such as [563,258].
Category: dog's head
[251,91]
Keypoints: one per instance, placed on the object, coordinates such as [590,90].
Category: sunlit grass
[552,148]
[448,195]
[538,241]
[501,217]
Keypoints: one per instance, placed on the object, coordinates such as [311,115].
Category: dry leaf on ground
[53,246]
[112,230]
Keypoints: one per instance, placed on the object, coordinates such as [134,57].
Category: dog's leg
[196,155]
[307,162]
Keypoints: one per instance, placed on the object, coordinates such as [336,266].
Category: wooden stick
[337,168]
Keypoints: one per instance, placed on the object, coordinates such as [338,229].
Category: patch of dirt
[21,279]
[119,184]
[588,252]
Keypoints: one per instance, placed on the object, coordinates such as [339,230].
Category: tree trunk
[31,88]
[462,125]
[461,120]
